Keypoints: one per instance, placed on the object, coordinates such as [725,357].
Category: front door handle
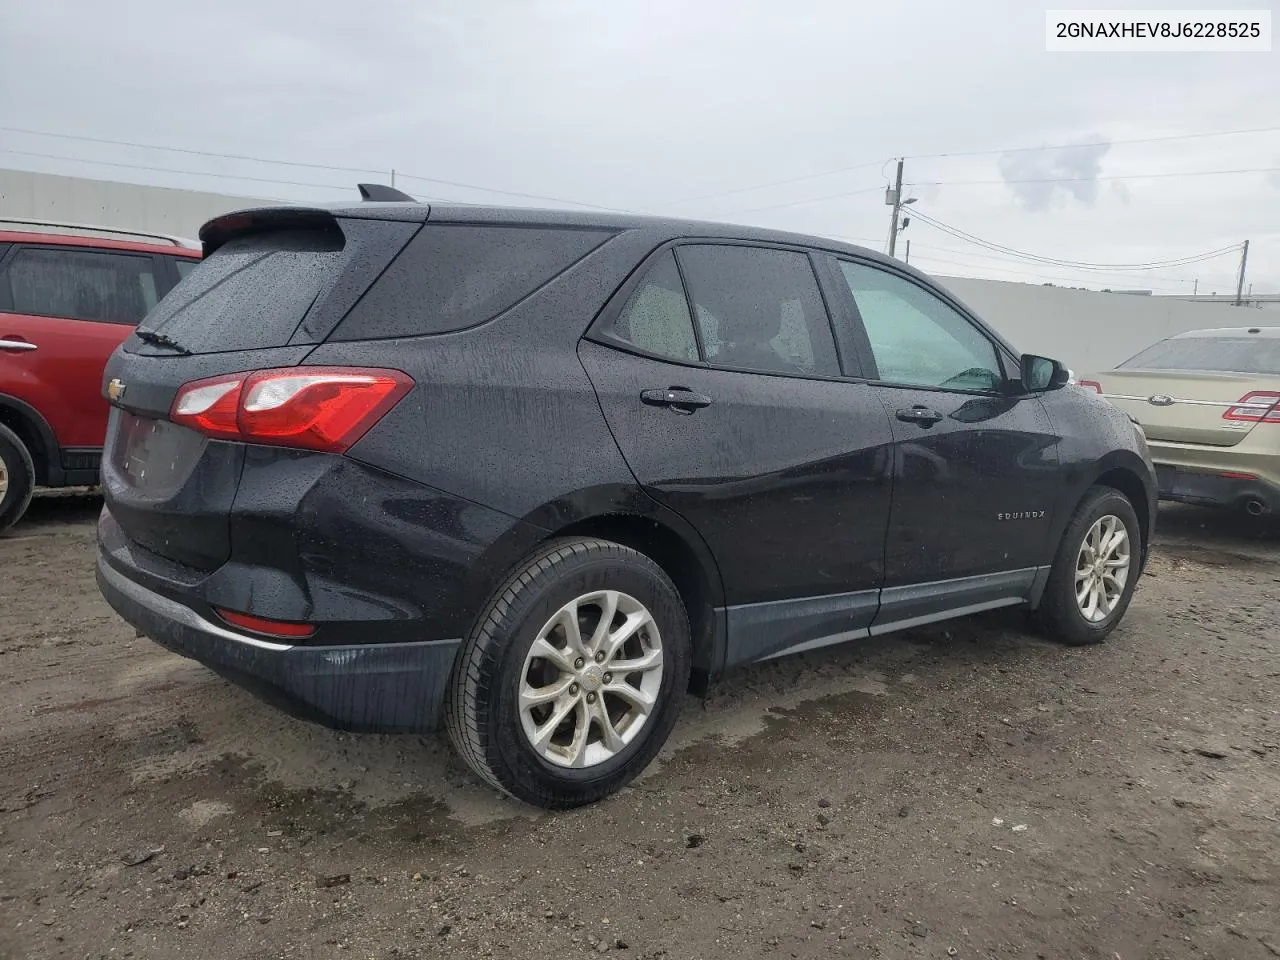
[18,346]
[679,399]
[924,416]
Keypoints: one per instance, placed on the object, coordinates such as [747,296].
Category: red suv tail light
[1259,406]
[313,408]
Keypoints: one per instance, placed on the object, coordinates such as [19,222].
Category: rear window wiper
[160,340]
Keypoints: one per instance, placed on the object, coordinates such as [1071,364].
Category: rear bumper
[1213,489]
[384,688]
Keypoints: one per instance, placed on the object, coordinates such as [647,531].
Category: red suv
[68,296]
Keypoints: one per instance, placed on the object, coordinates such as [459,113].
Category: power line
[966,183]
[979,153]
[1032,271]
[194,173]
[773,183]
[285,163]
[796,203]
[1074,264]
[1037,276]
[1124,176]
[1097,143]
[1008,262]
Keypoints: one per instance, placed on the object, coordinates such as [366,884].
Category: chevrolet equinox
[535,475]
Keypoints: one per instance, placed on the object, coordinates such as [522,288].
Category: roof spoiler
[238,223]
[380,193]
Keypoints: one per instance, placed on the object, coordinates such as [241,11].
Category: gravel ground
[965,791]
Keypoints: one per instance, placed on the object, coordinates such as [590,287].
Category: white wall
[102,203]
[1089,331]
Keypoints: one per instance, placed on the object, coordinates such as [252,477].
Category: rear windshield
[451,277]
[252,292]
[1211,354]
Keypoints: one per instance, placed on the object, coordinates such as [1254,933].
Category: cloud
[1037,176]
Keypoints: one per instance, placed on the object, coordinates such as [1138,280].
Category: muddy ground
[966,791]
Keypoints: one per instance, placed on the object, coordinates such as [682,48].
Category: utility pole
[907,258]
[393,176]
[1196,288]
[897,208]
[1244,259]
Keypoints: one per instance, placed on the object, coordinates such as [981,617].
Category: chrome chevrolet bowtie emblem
[1160,400]
[115,388]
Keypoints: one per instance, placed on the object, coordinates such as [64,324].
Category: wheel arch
[625,514]
[1127,473]
[36,434]
[699,587]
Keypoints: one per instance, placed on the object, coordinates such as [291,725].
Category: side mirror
[1041,373]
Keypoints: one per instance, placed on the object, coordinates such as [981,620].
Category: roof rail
[382,193]
[92,230]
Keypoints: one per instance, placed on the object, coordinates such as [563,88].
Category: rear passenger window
[184,266]
[656,318]
[81,284]
[453,277]
[759,309]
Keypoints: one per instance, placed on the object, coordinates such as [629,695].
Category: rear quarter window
[451,277]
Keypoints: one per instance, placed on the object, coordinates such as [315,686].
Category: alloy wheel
[1102,568]
[591,679]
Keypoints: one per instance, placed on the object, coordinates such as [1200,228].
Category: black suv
[538,474]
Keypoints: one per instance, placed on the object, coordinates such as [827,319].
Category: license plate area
[153,457]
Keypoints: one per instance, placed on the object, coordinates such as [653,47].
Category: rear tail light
[1093,385]
[312,408]
[1259,406]
[270,628]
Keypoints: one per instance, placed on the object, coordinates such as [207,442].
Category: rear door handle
[921,415]
[17,345]
[680,399]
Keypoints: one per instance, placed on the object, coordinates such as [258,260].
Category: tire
[1060,614]
[482,709]
[17,478]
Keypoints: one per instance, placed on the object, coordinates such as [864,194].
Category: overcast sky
[644,105]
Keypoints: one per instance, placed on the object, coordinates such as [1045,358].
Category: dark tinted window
[251,292]
[81,284]
[454,277]
[1220,354]
[916,338]
[185,265]
[759,309]
[656,318]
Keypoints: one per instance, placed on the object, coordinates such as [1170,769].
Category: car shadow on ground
[52,509]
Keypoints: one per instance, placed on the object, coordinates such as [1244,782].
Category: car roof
[662,229]
[100,243]
[1224,332]
[671,227]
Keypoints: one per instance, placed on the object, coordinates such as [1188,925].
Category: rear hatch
[273,284]
[1199,390]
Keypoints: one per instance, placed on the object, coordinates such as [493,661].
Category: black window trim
[6,288]
[601,328]
[1004,356]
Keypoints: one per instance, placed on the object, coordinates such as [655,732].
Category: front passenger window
[916,339]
